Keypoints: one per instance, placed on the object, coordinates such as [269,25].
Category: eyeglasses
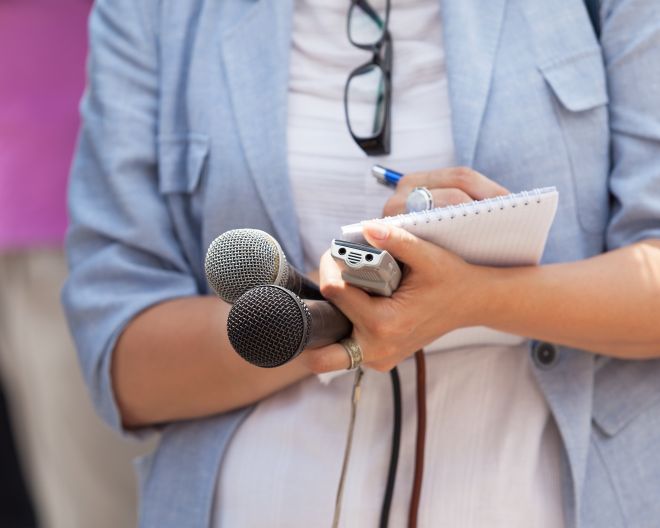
[368,93]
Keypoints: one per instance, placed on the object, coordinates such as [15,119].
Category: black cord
[394,456]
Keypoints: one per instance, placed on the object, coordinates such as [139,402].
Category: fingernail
[377,231]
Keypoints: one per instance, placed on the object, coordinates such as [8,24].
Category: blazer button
[545,355]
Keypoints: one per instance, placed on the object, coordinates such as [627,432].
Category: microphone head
[268,326]
[241,259]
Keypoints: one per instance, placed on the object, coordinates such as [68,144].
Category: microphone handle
[328,326]
[302,286]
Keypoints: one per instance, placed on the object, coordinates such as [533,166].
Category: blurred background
[60,466]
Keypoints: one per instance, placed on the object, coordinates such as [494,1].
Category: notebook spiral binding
[450,212]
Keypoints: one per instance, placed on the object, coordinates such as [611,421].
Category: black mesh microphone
[241,259]
[270,325]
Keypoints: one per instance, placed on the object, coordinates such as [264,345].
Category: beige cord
[355,398]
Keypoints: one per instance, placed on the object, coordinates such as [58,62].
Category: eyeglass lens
[366,102]
[366,23]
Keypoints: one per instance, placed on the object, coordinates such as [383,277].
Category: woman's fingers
[451,196]
[335,357]
[390,329]
[441,197]
[450,186]
[352,301]
[401,244]
[326,359]
[471,182]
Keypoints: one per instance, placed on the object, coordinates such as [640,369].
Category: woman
[209,116]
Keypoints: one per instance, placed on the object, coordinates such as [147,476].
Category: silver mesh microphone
[270,325]
[241,259]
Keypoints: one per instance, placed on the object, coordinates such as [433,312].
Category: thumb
[401,244]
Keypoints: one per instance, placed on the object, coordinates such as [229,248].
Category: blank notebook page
[503,231]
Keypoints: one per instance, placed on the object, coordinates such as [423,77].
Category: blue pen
[386,176]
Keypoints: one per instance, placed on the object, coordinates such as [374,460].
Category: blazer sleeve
[631,47]
[122,249]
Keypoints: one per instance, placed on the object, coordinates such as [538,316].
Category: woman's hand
[437,295]
[450,186]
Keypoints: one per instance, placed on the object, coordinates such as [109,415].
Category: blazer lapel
[256,60]
[255,55]
[568,389]
[471,30]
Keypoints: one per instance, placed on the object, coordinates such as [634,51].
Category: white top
[330,175]
[492,449]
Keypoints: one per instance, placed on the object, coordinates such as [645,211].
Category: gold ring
[354,352]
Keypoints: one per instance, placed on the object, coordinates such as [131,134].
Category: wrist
[488,300]
[507,303]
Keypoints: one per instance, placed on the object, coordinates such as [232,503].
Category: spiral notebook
[504,231]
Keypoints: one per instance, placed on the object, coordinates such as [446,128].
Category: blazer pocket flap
[181,160]
[623,390]
[579,81]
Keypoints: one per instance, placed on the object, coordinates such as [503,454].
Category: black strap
[396,444]
[593,8]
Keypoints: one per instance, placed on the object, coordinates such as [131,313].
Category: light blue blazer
[184,137]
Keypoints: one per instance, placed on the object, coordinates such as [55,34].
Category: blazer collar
[255,54]
[471,30]
[256,60]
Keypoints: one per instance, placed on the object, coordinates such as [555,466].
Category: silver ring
[419,199]
[354,352]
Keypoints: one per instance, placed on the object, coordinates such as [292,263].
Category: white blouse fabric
[492,448]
